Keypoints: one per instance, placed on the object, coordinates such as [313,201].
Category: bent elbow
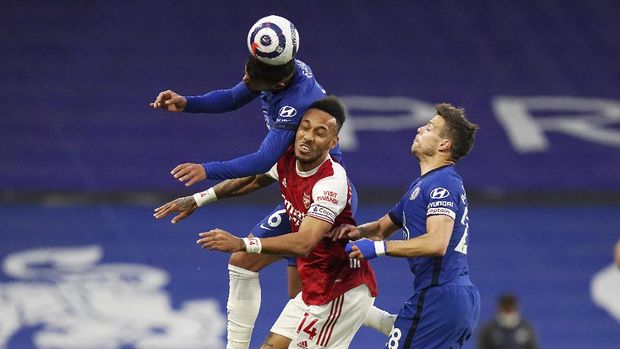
[303,250]
[440,250]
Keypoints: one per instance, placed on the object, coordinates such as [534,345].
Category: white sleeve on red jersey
[273,173]
[330,196]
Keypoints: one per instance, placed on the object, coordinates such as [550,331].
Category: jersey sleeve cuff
[395,220]
[191,104]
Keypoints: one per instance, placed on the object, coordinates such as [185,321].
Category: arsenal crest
[307,200]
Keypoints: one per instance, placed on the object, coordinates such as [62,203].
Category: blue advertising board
[114,277]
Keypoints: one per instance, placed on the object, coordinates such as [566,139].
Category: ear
[445,145]
[334,142]
[280,85]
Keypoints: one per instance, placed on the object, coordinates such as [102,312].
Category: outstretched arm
[218,101]
[221,101]
[301,243]
[377,230]
[241,186]
[273,146]
[431,244]
[229,188]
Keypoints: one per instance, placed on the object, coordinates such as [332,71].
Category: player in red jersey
[337,292]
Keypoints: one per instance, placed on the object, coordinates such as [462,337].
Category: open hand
[220,240]
[190,173]
[185,206]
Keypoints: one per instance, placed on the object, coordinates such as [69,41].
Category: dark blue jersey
[438,192]
[282,111]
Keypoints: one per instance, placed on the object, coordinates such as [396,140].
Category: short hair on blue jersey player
[332,106]
[458,129]
[267,73]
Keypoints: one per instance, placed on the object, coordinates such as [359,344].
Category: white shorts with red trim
[330,325]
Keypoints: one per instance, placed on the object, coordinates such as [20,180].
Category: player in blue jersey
[433,214]
[285,91]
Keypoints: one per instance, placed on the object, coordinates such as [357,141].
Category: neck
[309,166]
[429,164]
[286,82]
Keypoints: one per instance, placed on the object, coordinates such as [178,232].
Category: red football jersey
[323,193]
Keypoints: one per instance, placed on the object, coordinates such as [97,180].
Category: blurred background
[84,160]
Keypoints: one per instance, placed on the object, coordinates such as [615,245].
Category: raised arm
[229,188]
[378,230]
[218,101]
[241,186]
[221,101]
[273,146]
[433,243]
[301,243]
[311,231]
[318,221]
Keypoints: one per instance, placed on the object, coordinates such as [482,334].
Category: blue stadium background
[84,160]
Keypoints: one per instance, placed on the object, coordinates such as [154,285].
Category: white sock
[380,320]
[244,296]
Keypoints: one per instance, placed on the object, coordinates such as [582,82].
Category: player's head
[260,76]
[508,311]
[448,134]
[507,303]
[318,131]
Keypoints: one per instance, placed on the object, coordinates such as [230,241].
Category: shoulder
[331,175]
[337,169]
[446,178]
[332,169]
[304,69]
[303,90]
[443,185]
[331,191]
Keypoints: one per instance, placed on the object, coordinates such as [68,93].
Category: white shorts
[329,325]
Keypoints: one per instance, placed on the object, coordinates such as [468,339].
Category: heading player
[286,90]
[444,308]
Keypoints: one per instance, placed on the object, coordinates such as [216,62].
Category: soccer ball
[273,40]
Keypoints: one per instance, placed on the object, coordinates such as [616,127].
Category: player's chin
[303,155]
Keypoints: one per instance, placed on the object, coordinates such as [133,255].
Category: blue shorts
[437,317]
[277,223]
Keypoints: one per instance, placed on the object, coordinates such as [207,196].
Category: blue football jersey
[285,108]
[438,192]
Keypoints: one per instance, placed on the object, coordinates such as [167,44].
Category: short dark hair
[459,130]
[268,73]
[332,106]
[507,302]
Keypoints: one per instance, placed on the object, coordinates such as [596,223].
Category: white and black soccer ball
[273,40]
